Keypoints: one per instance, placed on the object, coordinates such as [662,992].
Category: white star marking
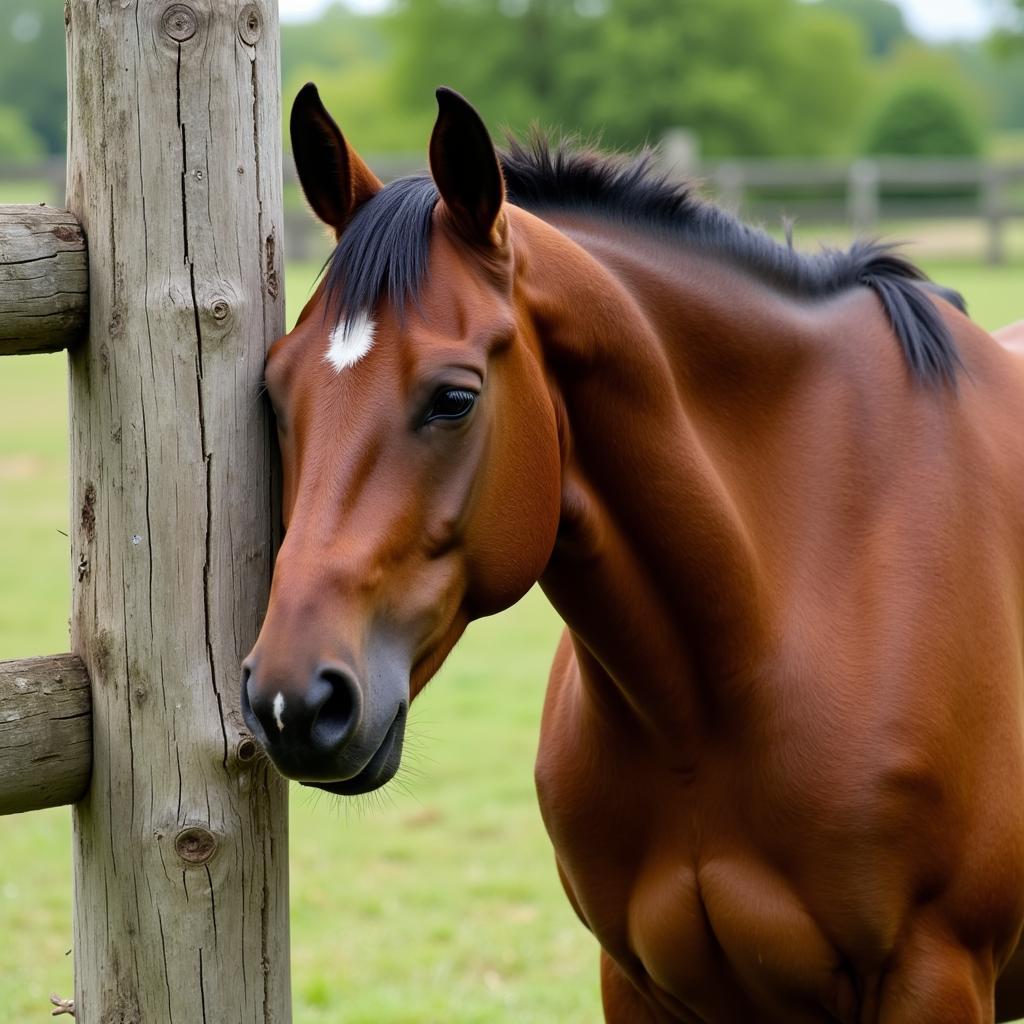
[350,341]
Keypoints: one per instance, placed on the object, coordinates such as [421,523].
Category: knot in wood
[180,22]
[246,749]
[67,233]
[250,24]
[220,309]
[195,844]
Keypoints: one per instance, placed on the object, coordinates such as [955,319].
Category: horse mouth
[381,767]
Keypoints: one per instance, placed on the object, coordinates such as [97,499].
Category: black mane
[383,251]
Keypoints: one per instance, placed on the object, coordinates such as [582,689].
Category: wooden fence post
[729,184]
[993,209]
[180,847]
[863,195]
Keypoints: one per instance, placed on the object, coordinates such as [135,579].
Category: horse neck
[655,571]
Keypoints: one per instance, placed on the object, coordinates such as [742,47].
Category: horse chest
[711,937]
[658,867]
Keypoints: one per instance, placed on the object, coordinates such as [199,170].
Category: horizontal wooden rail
[45,733]
[44,280]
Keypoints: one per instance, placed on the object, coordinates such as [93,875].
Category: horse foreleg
[622,1000]
[1010,988]
[933,982]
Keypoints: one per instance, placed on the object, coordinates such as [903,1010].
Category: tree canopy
[923,119]
[881,21]
[748,76]
[32,78]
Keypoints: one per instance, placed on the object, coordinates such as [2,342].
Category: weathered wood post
[993,209]
[180,849]
[44,280]
[863,195]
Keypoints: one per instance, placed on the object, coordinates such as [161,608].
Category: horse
[778,501]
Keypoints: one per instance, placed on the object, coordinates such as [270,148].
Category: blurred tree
[925,105]
[748,76]
[1001,76]
[18,143]
[32,77]
[1008,37]
[923,119]
[335,38]
[882,21]
[516,59]
[348,56]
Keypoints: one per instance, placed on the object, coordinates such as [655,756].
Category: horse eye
[451,404]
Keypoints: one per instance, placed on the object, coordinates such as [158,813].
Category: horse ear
[333,177]
[465,167]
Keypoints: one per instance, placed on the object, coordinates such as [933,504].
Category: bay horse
[778,501]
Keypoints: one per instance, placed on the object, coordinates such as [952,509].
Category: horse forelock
[382,254]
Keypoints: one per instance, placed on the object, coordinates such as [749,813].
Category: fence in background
[861,194]
[866,192]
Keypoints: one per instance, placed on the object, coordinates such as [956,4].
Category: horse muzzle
[331,734]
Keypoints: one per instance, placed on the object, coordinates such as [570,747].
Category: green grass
[994,294]
[437,903]
[28,191]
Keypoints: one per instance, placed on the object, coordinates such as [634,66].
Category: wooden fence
[163,280]
[862,193]
[865,192]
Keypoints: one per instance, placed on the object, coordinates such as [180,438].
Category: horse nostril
[340,705]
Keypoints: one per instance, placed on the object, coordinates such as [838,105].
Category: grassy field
[437,903]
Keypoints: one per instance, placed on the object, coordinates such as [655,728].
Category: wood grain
[45,733]
[44,280]
[180,846]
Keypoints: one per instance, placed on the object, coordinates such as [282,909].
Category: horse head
[419,444]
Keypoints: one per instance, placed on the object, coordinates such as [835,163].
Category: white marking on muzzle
[279,712]
[350,341]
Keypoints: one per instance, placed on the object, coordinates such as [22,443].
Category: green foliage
[336,38]
[32,62]
[348,56]
[881,21]
[925,107]
[818,100]
[1000,73]
[1008,38]
[18,143]
[922,119]
[749,76]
